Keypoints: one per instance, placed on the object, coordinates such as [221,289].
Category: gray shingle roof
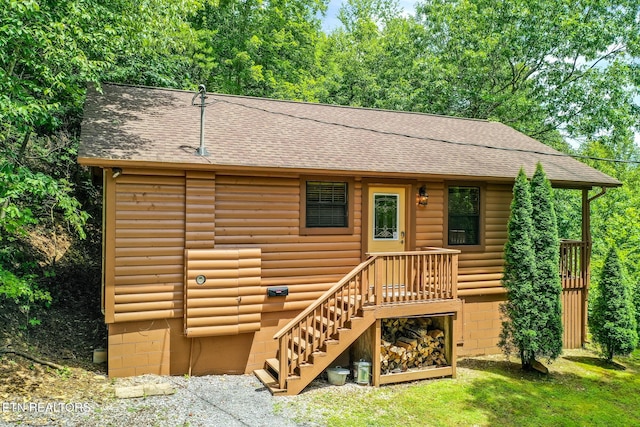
[135,124]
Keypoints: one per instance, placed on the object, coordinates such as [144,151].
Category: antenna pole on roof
[202,91]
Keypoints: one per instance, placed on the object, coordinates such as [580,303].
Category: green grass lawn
[580,390]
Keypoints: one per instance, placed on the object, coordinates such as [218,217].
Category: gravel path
[217,400]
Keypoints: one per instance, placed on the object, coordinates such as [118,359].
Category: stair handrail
[324,297]
[356,270]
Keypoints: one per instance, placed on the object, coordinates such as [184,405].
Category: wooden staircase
[317,361]
[317,336]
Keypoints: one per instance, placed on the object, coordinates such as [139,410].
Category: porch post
[585,254]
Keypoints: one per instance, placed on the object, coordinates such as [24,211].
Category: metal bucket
[337,375]
[363,372]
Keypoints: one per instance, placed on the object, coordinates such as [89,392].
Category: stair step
[336,310]
[274,365]
[270,382]
[291,356]
[351,300]
[317,353]
[313,332]
[308,368]
[324,321]
[302,344]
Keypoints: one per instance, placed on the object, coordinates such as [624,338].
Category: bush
[519,329]
[547,286]
[611,318]
[22,291]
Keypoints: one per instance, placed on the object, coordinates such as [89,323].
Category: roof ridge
[289,101]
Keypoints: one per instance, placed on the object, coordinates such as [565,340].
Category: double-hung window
[463,219]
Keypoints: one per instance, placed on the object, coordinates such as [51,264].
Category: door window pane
[385,216]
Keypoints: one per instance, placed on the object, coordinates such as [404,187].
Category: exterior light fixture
[116,172]
[422,198]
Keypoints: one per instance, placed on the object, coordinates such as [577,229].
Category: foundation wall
[481,325]
[159,347]
[137,348]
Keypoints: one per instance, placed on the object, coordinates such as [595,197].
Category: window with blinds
[327,204]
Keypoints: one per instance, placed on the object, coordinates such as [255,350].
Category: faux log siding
[149,247]
[265,212]
[430,219]
[200,211]
[480,273]
[230,301]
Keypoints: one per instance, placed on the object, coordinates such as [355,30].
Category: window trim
[306,231]
[481,217]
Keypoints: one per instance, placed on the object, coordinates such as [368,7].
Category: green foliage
[48,53]
[636,306]
[374,60]
[533,312]
[581,391]
[23,292]
[611,214]
[547,288]
[519,329]
[153,43]
[257,48]
[611,318]
[568,206]
[27,196]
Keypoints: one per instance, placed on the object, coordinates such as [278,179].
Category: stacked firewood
[410,343]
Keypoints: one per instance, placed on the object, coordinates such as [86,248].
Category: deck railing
[574,271]
[414,276]
[384,278]
[574,263]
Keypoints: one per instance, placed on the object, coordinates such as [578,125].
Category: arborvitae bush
[547,286]
[520,312]
[612,319]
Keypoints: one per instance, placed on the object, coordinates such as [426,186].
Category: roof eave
[110,163]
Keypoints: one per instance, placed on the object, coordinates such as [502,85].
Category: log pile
[411,343]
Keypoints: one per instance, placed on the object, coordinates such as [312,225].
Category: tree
[611,319]
[547,286]
[636,306]
[48,53]
[610,214]
[519,327]
[258,48]
[541,66]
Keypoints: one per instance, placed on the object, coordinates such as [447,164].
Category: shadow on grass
[596,361]
[507,395]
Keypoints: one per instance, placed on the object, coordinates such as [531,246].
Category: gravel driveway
[217,400]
